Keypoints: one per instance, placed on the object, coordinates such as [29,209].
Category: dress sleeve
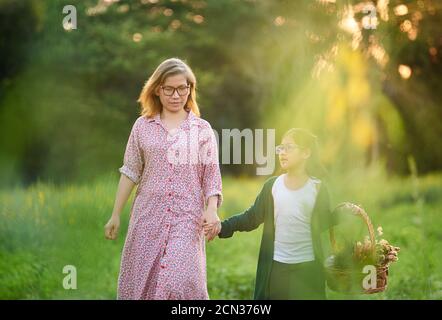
[248,220]
[251,218]
[133,161]
[211,177]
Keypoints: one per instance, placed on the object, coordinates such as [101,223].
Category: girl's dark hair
[306,139]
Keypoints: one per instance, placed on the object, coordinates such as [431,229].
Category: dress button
[170,194]
[170,179]
[168,209]
[163,267]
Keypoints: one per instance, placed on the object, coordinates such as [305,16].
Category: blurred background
[364,76]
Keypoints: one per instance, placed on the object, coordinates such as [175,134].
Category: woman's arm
[211,181]
[131,171]
[125,187]
[212,226]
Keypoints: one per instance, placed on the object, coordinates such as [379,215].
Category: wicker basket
[349,280]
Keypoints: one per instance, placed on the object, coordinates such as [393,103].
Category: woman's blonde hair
[150,102]
[306,139]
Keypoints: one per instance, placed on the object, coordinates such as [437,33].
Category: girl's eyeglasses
[169,91]
[286,148]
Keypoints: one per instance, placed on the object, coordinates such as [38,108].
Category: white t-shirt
[293,209]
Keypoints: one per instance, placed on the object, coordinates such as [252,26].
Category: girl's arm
[328,219]
[248,220]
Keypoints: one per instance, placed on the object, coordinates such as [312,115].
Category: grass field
[43,228]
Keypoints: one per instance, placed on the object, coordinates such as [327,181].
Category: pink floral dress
[164,252]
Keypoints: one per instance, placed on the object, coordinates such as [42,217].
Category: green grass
[43,228]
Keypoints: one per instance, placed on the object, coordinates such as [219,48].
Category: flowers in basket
[380,253]
[360,266]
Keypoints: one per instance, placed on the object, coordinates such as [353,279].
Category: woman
[164,252]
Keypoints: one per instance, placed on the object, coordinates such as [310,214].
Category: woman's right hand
[111,228]
[211,230]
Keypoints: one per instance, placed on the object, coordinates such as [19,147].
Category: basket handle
[358,211]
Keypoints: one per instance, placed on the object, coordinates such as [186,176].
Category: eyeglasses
[289,147]
[169,91]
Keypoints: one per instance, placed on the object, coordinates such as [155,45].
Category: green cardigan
[262,212]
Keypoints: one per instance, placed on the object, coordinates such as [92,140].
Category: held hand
[212,230]
[211,221]
[111,228]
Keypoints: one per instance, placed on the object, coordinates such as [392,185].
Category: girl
[295,209]
[164,251]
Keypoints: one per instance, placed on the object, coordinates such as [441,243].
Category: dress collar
[190,117]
